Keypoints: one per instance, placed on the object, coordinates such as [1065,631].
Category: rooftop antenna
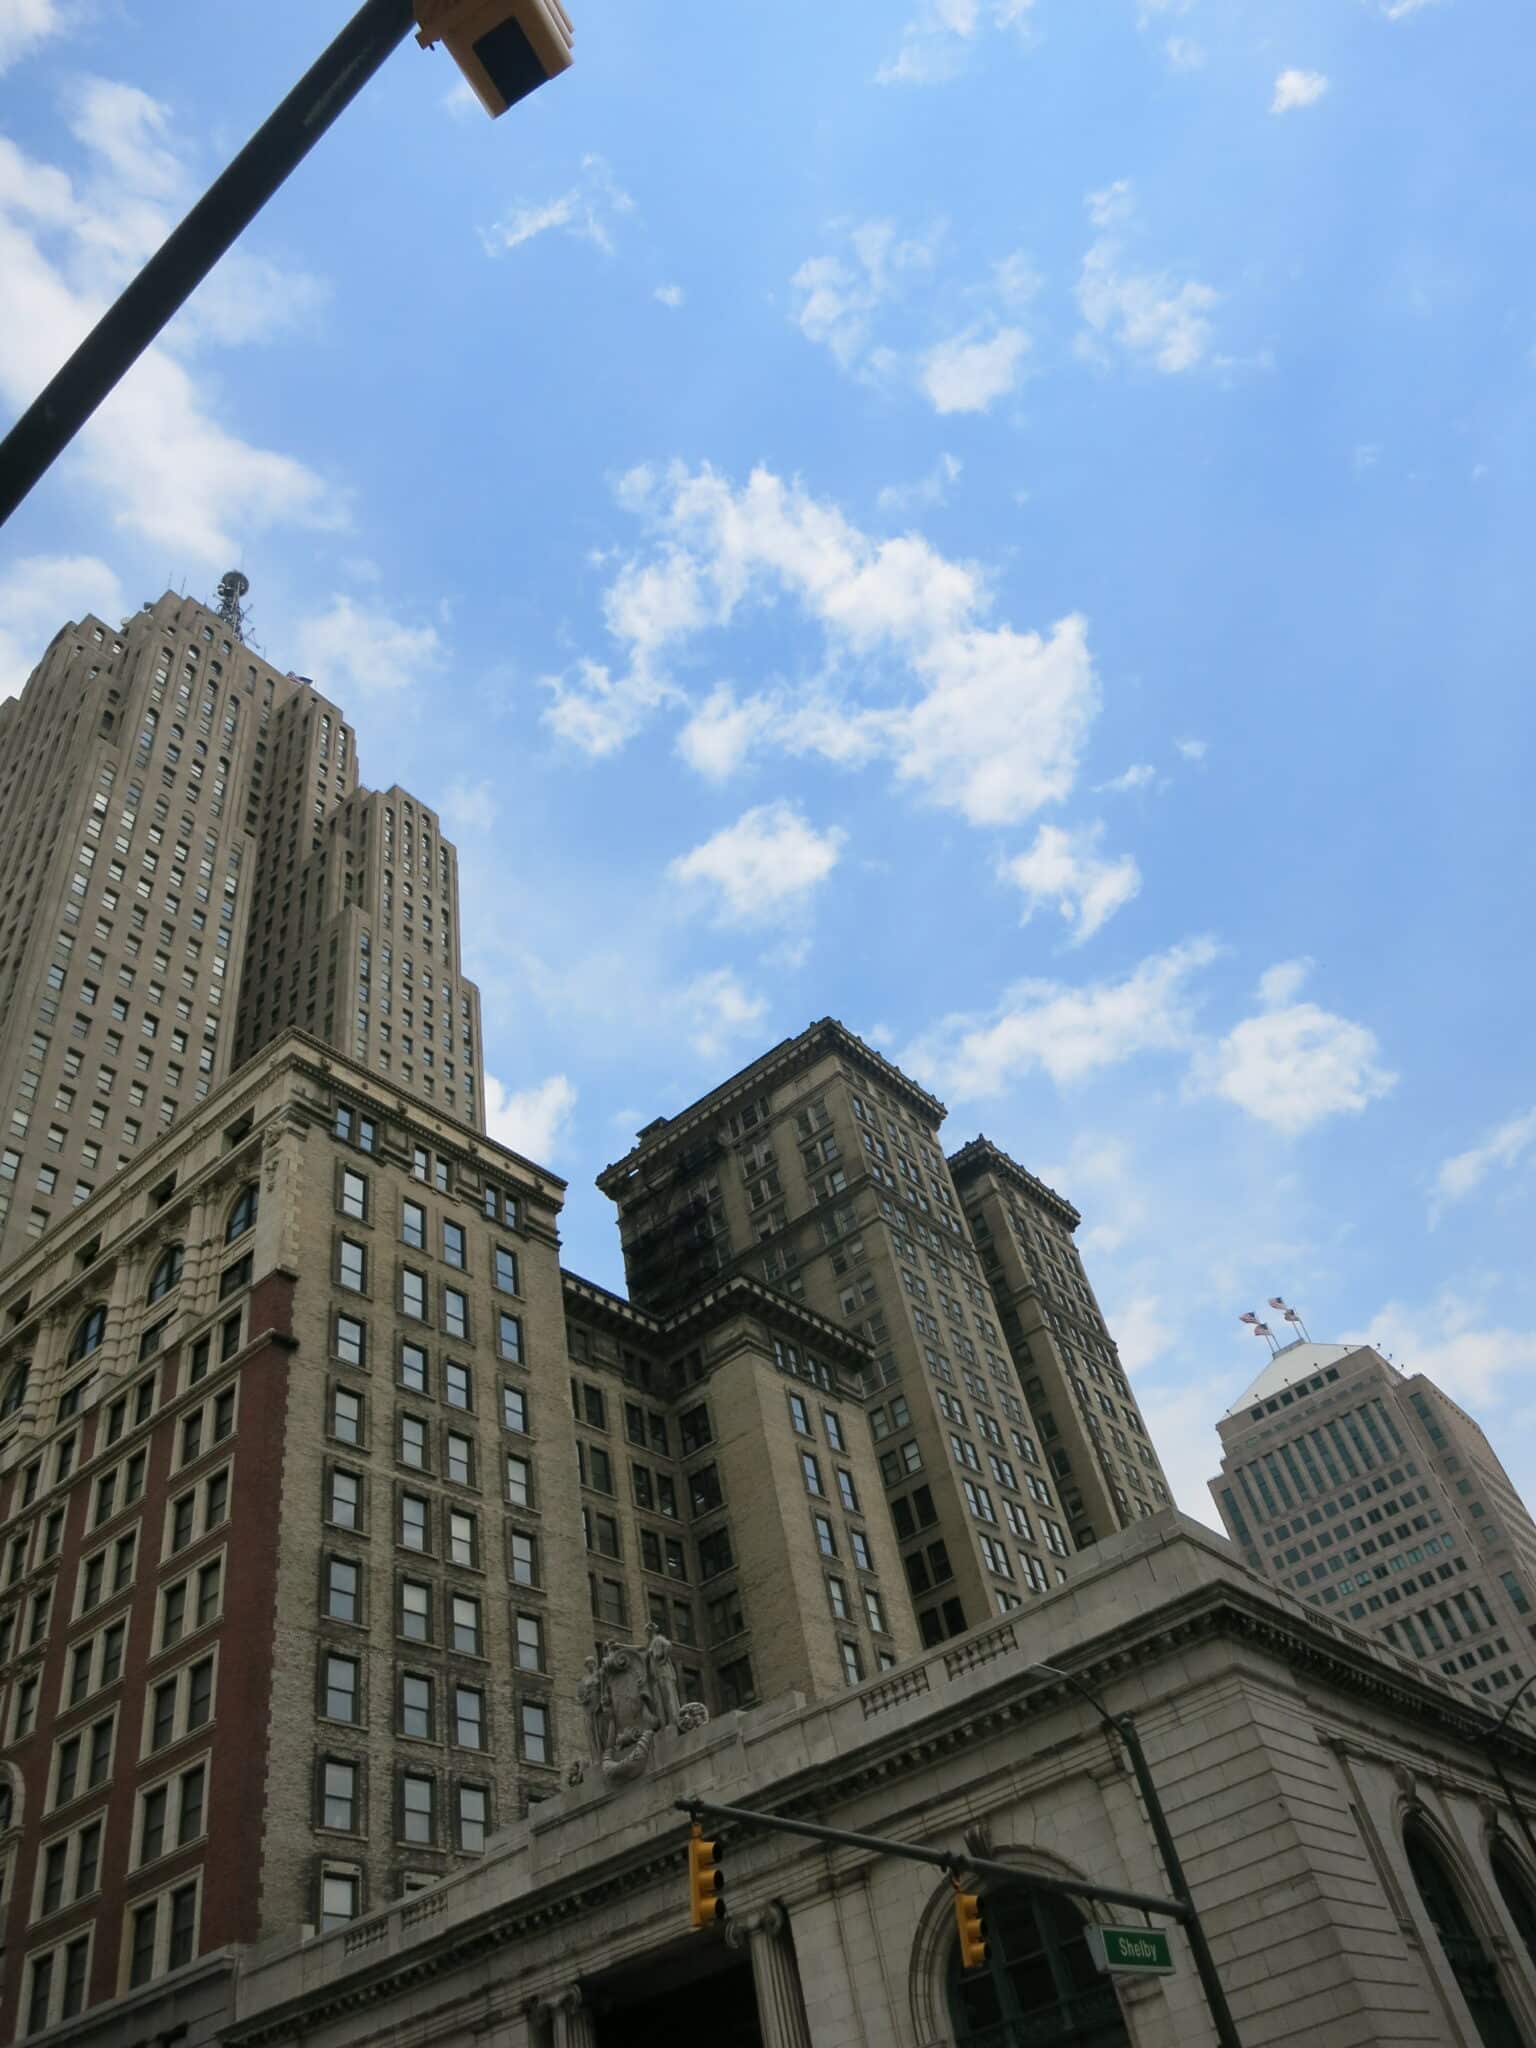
[233,585]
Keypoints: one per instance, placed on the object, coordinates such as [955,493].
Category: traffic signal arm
[506,49]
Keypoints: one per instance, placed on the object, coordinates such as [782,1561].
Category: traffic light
[505,48]
[968,1925]
[706,1880]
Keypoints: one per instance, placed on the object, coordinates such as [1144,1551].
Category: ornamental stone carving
[627,1698]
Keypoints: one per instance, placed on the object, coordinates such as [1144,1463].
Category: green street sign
[1133,1951]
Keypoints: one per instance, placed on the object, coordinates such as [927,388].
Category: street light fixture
[1124,1726]
[505,48]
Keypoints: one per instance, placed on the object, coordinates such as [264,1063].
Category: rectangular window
[415,1528]
[343,1589]
[341,1690]
[469,1717]
[338,1794]
[417,1803]
[506,1270]
[509,1337]
[453,1244]
[533,1726]
[354,1194]
[529,1643]
[413,1293]
[344,1508]
[473,1817]
[456,1312]
[413,1225]
[352,1266]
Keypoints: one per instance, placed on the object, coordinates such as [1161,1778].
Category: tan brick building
[818,1170]
[190,866]
[1372,1496]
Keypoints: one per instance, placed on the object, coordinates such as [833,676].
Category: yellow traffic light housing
[968,1926]
[706,1881]
[506,49]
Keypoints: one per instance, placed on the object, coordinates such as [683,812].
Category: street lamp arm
[1114,1723]
[1512,1702]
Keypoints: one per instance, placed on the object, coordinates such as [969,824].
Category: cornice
[979,1153]
[825,1035]
[736,1295]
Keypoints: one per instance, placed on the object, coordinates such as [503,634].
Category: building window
[469,1716]
[418,1822]
[343,1589]
[354,1195]
[352,1266]
[89,1333]
[339,1794]
[340,1898]
[167,1272]
[509,1337]
[523,1558]
[528,1642]
[413,1225]
[413,1293]
[416,1706]
[533,1727]
[506,1270]
[473,1817]
[341,1694]
[243,1215]
[456,1312]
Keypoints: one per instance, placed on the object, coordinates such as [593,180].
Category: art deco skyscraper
[190,866]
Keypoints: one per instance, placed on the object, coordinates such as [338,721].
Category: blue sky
[1001,521]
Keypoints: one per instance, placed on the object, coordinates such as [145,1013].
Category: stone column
[574,2023]
[764,1933]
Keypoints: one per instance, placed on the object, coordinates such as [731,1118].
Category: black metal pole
[1124,1726]
[191,250]
[1205,1962]
[983,1866]
[1493,1757]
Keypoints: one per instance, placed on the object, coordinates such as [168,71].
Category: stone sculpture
[627,1697]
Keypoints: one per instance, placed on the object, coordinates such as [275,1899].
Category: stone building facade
[1373,1496]
[1361,1876]
[190,867]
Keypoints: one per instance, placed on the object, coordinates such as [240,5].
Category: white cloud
[26,23]
[589,210]
[966,374]
[1295,89]
[534,1121]
[154,451]
[1294,1065]
[1141,1335]
[1449,1341]
[934,43]
[1184,53]
[933,489]
[1464,1171]
[1399,10]
[1279,984]
[1192,750]
[38,592]
[469,807]
[1068,1033]
[979,718]
[722,733]
[1140,775]
[717,1010]
[1065,868]
[668,294]
[837,296]
[765,866]
[361,649]
[1147,315]
[460,100]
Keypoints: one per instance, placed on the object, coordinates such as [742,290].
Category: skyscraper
[1375,1498]
[149,774]
[817,1169]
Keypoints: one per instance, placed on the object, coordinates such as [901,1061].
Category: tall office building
[1377,1499]
[817,1169]
[189,867]
[1082,1404]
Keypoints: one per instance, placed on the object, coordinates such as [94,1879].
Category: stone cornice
[736,1295]
[980,1154]
[826,1035]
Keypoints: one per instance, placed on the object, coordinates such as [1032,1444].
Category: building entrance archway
[703,1989]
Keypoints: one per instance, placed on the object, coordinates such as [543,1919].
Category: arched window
[243,1214]
[15,1389]
[1516,1894]
[167,1271]
[1039,1983]
[1474,1969]
[7,1801]
[93,1327]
